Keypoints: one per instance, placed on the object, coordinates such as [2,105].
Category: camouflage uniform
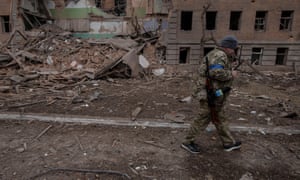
[220,72]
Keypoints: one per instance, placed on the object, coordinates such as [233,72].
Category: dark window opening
[260,20]
[184,53]
[256,56]
[186,20]
[211,20]
[5,23]
[120,7]
[98,3]
[286,20]
[206,50]
[235,18]
[115,7]
[281,56]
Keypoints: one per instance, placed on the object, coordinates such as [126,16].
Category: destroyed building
[44,21]
[268,31]
[86,18]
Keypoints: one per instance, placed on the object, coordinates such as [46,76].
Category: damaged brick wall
[59,4]
[4,19]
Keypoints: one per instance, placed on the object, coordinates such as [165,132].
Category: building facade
[84,18]
[268,30]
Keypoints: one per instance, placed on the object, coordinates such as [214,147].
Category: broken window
[120,7]
[184,53]
[281,56]
[207,50]
[235,18]
[286,20]
[186,20]
[5,23]
[98,3]
[116,7]
[260,20]
[256,55]
[211,20]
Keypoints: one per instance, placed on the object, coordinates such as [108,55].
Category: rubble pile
[48,54]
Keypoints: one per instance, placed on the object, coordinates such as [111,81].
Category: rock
[247,176]
[20,150]
[289,115]
[135,112]
[175,117]
[187,99]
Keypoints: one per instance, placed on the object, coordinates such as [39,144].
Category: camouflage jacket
[219,71]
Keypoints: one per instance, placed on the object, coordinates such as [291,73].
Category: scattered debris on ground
[51,72]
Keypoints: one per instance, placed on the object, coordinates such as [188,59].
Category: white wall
[111,27]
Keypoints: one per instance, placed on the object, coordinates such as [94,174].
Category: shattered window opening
[186,20]
[120,7]
[235,18]
[256,56]
[211,20]
[260,20]
[5,24]
[281,56]
[116,7]
[98,3]
[286,20]
[207,50]
[184,53]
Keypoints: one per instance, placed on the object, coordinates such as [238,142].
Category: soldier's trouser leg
[222,124]
[200,123]
[223,129]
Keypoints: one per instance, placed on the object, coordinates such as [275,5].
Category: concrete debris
[175,117]
[187,99]
[71,58]
[247,176]
[135,113]
[49,55]
[158,72]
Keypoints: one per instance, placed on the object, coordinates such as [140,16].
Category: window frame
[285,23]
[187,55]
[257,53]
[214,26]
[184,26]
[260,23]
[232,22]
[281,57]
[5,24]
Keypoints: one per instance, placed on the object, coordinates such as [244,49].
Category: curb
[288,130]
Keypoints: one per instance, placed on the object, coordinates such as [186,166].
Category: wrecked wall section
[5,7]
[86,20]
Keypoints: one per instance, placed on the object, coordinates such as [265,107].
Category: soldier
[217,64]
